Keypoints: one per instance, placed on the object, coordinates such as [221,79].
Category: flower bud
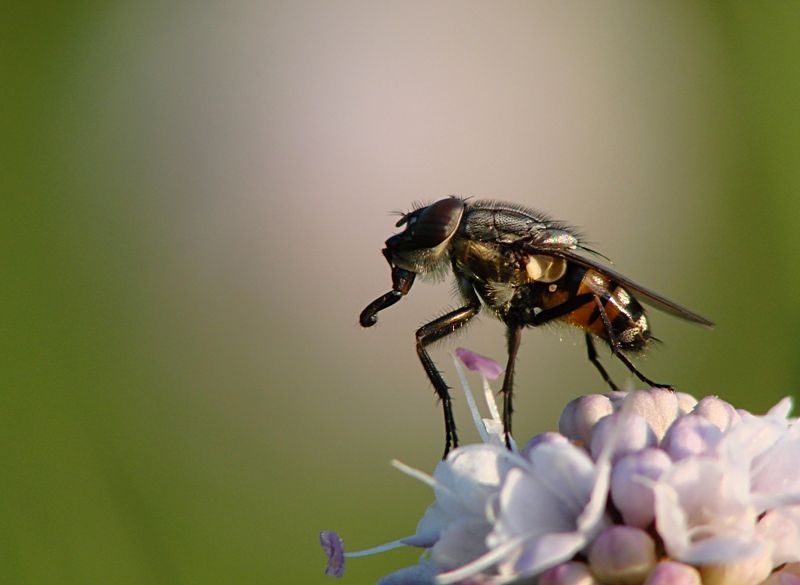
[686,403]
[658,406]
[572,573]
[548,437]
[622,555]
[747,571]
[629,432]
[632,496]
[673,573]
[690,435]
[580,415]
[715,410]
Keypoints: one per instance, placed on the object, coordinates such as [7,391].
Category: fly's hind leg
[616,351]
[592,351]
[629,364]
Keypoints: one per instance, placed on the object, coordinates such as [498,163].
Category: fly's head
[421,248]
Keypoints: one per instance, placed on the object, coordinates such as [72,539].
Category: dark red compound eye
[428,227]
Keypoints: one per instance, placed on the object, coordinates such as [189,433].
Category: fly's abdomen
[625,315]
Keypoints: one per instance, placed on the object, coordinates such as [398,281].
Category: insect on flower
[527,270]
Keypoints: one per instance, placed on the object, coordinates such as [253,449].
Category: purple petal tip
[478,363]
[334,549]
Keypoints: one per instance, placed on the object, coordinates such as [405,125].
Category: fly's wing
[645,294]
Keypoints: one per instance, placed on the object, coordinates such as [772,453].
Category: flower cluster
[648,487]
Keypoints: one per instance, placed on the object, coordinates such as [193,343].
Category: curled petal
[478,363]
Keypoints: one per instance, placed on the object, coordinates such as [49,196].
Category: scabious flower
[649,487]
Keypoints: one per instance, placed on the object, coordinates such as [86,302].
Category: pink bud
[548,437]
[623,555]
[673,573]
[631,493]
[658,406]
[580,415]
[629,432]
[715,410]
[572,573]
[691,435]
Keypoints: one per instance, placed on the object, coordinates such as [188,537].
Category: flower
[334,549]
[647,487]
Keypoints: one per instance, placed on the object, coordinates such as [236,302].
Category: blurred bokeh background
[194,199]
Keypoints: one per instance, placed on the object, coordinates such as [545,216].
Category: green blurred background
[194,198]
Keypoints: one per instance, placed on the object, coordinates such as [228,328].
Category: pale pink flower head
[649,487]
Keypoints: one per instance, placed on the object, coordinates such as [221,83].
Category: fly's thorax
[502,222]
[483,262]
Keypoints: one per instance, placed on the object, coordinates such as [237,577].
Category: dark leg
[593,358]
[426,335]
[624,359]
[514,334]
[615,349]
[563,309]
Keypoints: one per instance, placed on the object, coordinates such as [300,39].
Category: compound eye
[433,225]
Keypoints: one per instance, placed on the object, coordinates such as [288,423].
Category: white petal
[547,551]
[421,574]
[460,543]
[782,409]
[780,529]
[703,512]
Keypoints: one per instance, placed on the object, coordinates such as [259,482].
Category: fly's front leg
[426,335]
